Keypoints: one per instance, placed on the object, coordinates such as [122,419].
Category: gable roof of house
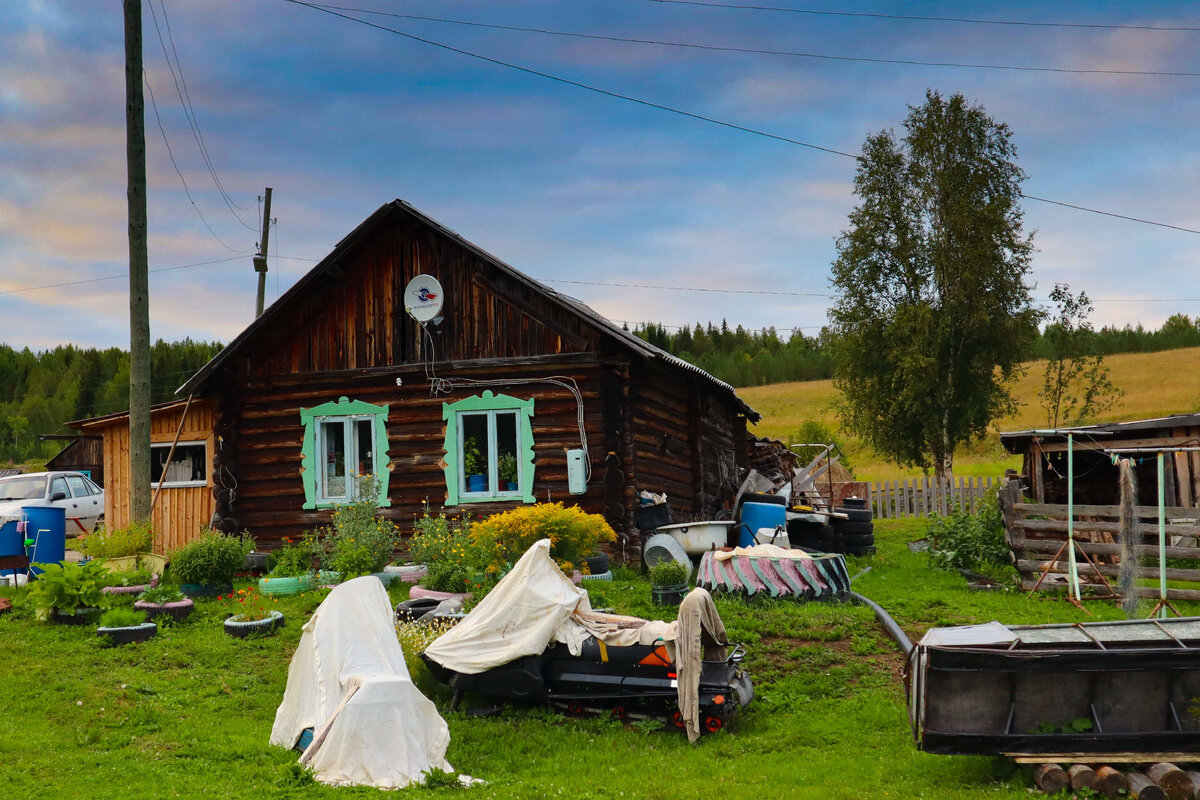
[276,311]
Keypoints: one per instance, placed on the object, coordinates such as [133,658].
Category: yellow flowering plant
[573,534]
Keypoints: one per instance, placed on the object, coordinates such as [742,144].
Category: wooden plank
[1103,548]
[1057,581]
[1183,478]
[1173,573]
[1060,526]
[1085,510]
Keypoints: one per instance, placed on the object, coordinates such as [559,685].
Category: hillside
[1155,385]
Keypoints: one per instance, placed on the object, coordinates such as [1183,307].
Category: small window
[78,487]
[92,486]
[187,466]
[489,449]
[342,441]
[57,485]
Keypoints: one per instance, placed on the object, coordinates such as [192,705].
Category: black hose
[885,619]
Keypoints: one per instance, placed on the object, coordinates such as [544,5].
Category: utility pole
[139,280]
[260,260]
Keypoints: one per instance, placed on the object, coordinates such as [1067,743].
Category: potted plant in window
[125,626]
[204,567]
[474,466]
[506,471]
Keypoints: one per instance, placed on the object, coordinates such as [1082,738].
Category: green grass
[188,714]
[1155,385]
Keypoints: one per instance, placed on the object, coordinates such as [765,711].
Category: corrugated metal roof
[1017,441]
[633,343]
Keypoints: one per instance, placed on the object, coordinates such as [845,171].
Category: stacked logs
[1162,781]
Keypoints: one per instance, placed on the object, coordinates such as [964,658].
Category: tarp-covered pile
[349,682]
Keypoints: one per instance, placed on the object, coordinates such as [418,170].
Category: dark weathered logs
[1111,782]
[1050,778]
[1172,780]
[1083,777]
[1142,788]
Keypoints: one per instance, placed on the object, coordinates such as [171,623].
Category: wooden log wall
[180,512]
[269,433]
[1036,532]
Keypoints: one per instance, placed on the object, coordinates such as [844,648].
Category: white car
[74,492]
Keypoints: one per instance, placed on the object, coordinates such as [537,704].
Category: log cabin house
[1044,466]
[475,411]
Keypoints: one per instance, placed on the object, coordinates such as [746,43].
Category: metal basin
[697,538]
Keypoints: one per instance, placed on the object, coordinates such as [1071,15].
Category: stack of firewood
[1162,781]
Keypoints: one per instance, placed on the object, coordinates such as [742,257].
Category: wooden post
[1050,778]
[260,260]
[1083,777]
[1174,782]
[1195,776]
[1142,788]
[1111,782]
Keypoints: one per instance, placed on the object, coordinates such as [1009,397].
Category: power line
[757,51]
[115,277]
[710,326]
[680,112]
[171,154]
[190,112]
[687,288]
[962,20]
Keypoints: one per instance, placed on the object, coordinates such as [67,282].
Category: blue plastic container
[759,515]
[477,483]
[48,529]
[11,542]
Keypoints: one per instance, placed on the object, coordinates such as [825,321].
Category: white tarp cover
[761,551]
[349,682]
[532,606]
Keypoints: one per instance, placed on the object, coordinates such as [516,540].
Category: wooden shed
[477,410]
[181,450]
[80,454]
[1044,468]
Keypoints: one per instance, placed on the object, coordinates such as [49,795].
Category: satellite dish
[423,298]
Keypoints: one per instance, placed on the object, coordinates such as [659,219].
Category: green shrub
[67,586]
[137,577]
[962,540]
[134,538]
[668,573]
[358,542]
[160,595]
[122,617]
[294,558]
[212,557]
[814,431]
[448,576]
[437,538]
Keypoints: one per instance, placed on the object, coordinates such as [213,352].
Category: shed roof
[1019,441]
[276,311]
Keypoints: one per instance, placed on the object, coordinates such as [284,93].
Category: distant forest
[754,357]
[41,391]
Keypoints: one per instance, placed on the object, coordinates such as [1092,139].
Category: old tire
[858,540]
[854,515]
[240,629]
[128,635]
[854,528]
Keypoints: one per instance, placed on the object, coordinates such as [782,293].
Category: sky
[598,197]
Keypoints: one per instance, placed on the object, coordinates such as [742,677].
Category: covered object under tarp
[348,682]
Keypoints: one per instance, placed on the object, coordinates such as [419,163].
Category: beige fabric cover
[701,637]
[349,682]
[760,551]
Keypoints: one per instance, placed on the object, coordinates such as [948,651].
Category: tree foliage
[932,315]
[1076,385]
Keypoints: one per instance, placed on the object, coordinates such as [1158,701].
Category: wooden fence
[919,497]
[1037,532]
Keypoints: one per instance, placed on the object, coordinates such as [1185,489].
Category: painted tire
[177,610]
[278,586]
[80,616]
[128,635]
[206,589]
[385,578]
[409,573]
[603,576]
[420,591]
[240,630]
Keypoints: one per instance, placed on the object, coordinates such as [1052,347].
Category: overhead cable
[115,277]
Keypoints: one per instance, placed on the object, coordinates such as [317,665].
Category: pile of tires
[854,535]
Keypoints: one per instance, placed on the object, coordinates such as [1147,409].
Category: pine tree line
[40,391]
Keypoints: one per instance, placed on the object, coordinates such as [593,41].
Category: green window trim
[490,402]
[343,407]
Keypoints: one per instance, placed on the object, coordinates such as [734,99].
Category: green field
[1155,385]
[188,714]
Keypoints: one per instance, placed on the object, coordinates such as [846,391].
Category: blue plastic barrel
[48,529]
[11,543]
[759,515]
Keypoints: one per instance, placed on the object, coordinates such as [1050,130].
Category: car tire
[858,540]
[855,514]
[854,528]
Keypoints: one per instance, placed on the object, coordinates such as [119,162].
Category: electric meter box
[576,472]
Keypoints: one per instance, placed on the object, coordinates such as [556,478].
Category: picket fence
[920,497]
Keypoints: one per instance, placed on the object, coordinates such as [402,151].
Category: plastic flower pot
[669,595]
[240,628]
[477,483]
[278,586]
[128,634]
[177,610]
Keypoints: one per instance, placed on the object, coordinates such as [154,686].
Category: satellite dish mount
[423,299]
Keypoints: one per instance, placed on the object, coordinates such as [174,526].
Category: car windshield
[23,488]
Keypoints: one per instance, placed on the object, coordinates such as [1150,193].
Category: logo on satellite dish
[426,296]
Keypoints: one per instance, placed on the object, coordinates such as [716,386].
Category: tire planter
[671,595]
[206,589]
[240,629]
[82,615]
[177,610]
[280,586]
[603,576]
[597,564]
[413,610]
[131,589]
[128,634]
[385,578]
[409,573]
[417,592]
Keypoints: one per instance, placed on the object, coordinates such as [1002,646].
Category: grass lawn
[188,714]
[1155,385]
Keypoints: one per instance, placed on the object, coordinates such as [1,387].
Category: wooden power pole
[260,260]
[139,289]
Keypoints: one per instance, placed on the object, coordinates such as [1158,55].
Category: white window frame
[166,446]
[493,473]
[350,465]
